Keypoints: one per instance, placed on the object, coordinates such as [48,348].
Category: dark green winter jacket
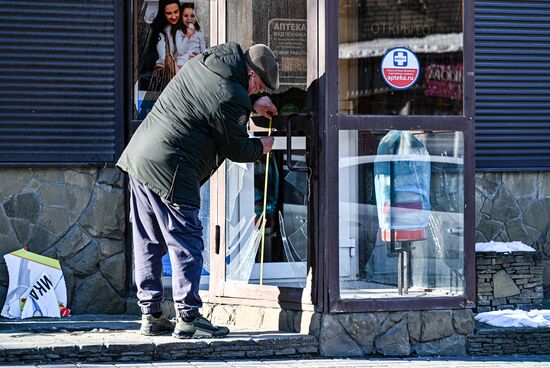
[199,120]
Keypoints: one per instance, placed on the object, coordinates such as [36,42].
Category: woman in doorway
[192,43]
[166,28]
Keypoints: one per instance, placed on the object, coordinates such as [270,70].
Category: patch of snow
[516,318]
[501,247]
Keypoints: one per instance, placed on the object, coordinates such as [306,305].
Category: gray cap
[263,62]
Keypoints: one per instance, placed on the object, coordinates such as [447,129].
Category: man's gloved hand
[265,107]
[267,142]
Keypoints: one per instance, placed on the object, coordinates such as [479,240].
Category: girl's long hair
[183,7]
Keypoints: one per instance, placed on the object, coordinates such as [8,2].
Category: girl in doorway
[167,27]
[191,41]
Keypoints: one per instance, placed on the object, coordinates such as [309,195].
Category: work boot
[151,325]
[198,328]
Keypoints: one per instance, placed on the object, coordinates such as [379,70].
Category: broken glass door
[285,237]
[282,260]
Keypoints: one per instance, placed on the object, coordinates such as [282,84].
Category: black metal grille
[57,84]
[512,64]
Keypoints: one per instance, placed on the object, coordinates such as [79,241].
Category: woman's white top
[161,44]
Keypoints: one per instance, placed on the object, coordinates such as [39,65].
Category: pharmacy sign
[400,68]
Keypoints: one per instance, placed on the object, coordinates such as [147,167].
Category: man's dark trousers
[157,226]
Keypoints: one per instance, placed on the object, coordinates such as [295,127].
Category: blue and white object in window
[402,182]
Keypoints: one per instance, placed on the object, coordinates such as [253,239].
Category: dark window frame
[336,122]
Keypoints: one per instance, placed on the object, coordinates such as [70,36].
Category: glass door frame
[330,181]
[222,290]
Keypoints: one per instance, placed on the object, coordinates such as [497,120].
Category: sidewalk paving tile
[468,362]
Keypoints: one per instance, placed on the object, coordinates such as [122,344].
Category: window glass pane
[162,44]
[401,213]
[204,216]
[432,33]
[280,25]
[284,259]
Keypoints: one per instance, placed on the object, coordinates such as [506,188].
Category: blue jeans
[159,226]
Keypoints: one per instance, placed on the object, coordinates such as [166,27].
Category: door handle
[289,163]
[217,239]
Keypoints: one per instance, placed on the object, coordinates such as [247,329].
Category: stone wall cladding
[508,341]
[515,207]
[425,333]
[252,318]
[76,215]
[509,281]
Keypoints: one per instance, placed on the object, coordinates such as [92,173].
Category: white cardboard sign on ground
[36,286]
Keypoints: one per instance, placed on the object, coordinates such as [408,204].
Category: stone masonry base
[508,281]
[423,333]
[248,317]
[508,341]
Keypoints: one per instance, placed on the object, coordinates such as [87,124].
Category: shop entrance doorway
[247,261]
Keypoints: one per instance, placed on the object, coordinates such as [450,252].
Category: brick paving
[466,362]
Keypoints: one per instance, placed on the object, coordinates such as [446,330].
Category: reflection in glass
[401,213]
[242,225]
[159,46]
[402,186]
[285,254]
[432,30]
[204,216]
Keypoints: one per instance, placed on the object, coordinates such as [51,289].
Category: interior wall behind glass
[432,30]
